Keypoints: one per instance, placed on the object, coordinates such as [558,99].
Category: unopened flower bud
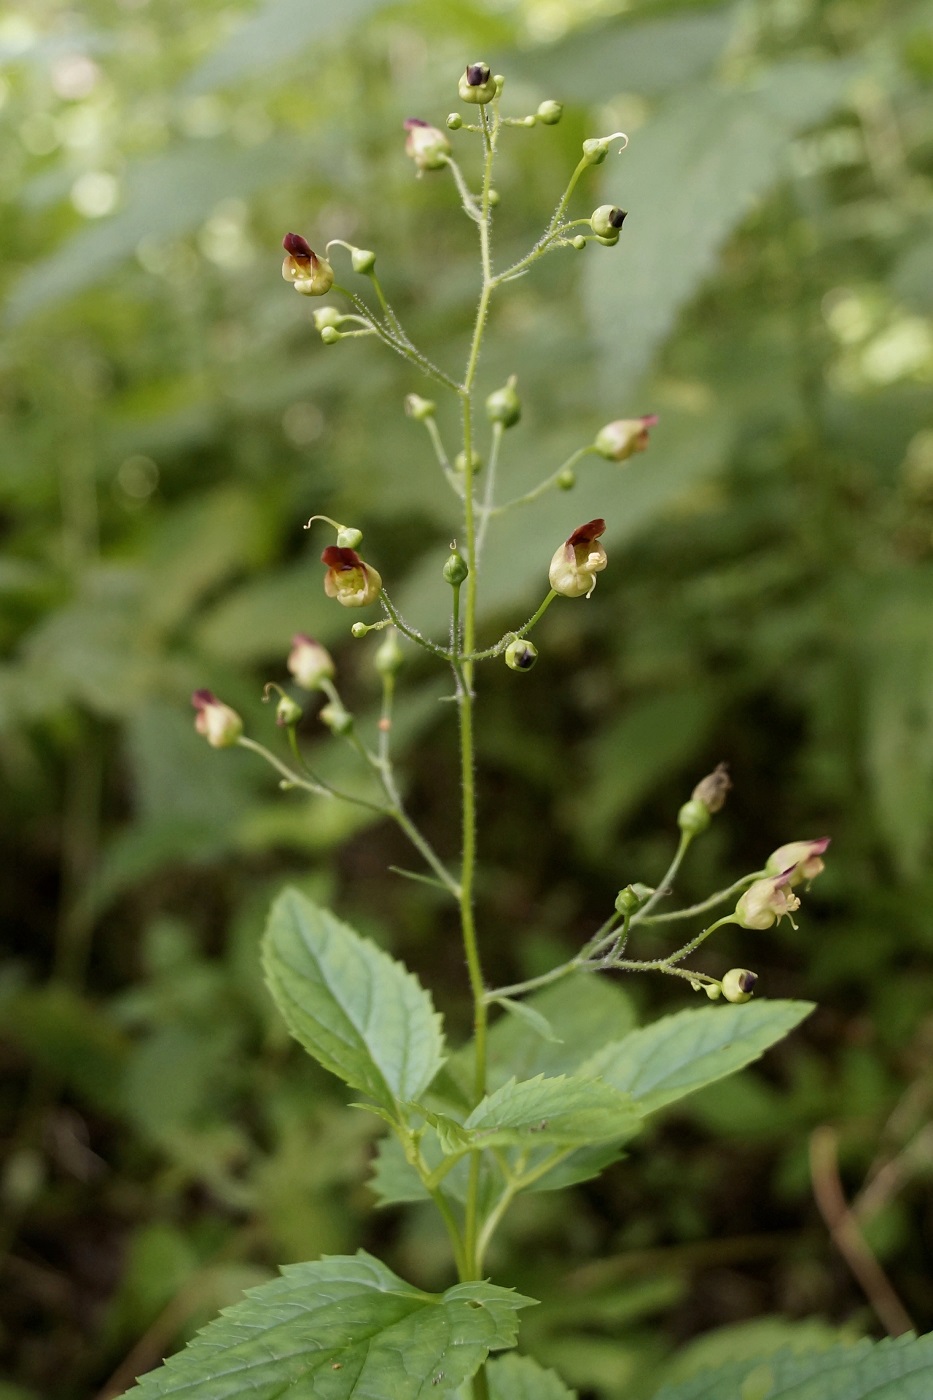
[456,570]
[326,316]
[578,560]
[287,712]
[712,990]
[713,789]
[693,818]
[362,260]
[309,662]
[310,275]
[427,146]
[802,858]
[389,655]
[220,725]
[349,579]
[566,480]
[550,112]
[494,198]
[460,461]
[330,335]
[418,408]
[595,150]
[520,655]
[337,719]
[578,242]
[767,901]
[623,438]
[606,221]
[477,84]
[738,984]
[503,405]
[454,121]
[631,899]
[348,537]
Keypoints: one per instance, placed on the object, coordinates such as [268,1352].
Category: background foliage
[170,419]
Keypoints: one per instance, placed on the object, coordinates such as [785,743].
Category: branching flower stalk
[433,1140]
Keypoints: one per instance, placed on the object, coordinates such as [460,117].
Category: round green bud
[477,84]
[337,719]
[550,112]
[494,199]
[607,220]
[349,537]
[389,655]
[418,408]
[738,984]
[712,990]
[578,242]
[631,899]
[326,316]
[454,121]
[595,150]
[363,259]
[499,80]
[460,461]
[693,817]
[330,335]
[566,480]
[359,629]
[520,655]
[503,405]
[287,713]
[456,570]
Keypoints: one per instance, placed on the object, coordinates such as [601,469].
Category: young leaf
[520,1378]
[895,1369]
[340,1327]
[360,1013]
[561,1112]
[681,1053]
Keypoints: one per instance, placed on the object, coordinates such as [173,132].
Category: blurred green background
[170,420]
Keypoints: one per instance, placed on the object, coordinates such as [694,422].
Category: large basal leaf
[355,1009]
[520,1378]
[562,1112]
[689,177]
[341,1327]
[681,1053]
[900,1369]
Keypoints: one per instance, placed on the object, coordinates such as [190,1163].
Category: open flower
[348,579]
[310,275]
[623,438]
[801,858]
[578,560]
[426,144]
[767,901]
[220,725]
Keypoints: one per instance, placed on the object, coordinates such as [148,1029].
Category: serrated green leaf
[679,1054]
[355,1009]
[561,1112]
[340,1327]
[521,1378]
[895,1369]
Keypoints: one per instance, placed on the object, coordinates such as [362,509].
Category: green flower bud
[566,480]
[595,150]
[338,720]
[477,85]
[418,408]
[220,725]
[550,112]
[460,461]
[693,817]
[363,260]
[456,570]
[287,713]
[348,537]
[738,984]
[578,241]
[631,899]
[520,655]
[326,316]
[621,439]
[494,199]
[454,121]
[503,405]
[360,629]
[330,335]
[712,990]
[389,655]
[606,221]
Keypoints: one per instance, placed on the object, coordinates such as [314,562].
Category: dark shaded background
[170,419]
